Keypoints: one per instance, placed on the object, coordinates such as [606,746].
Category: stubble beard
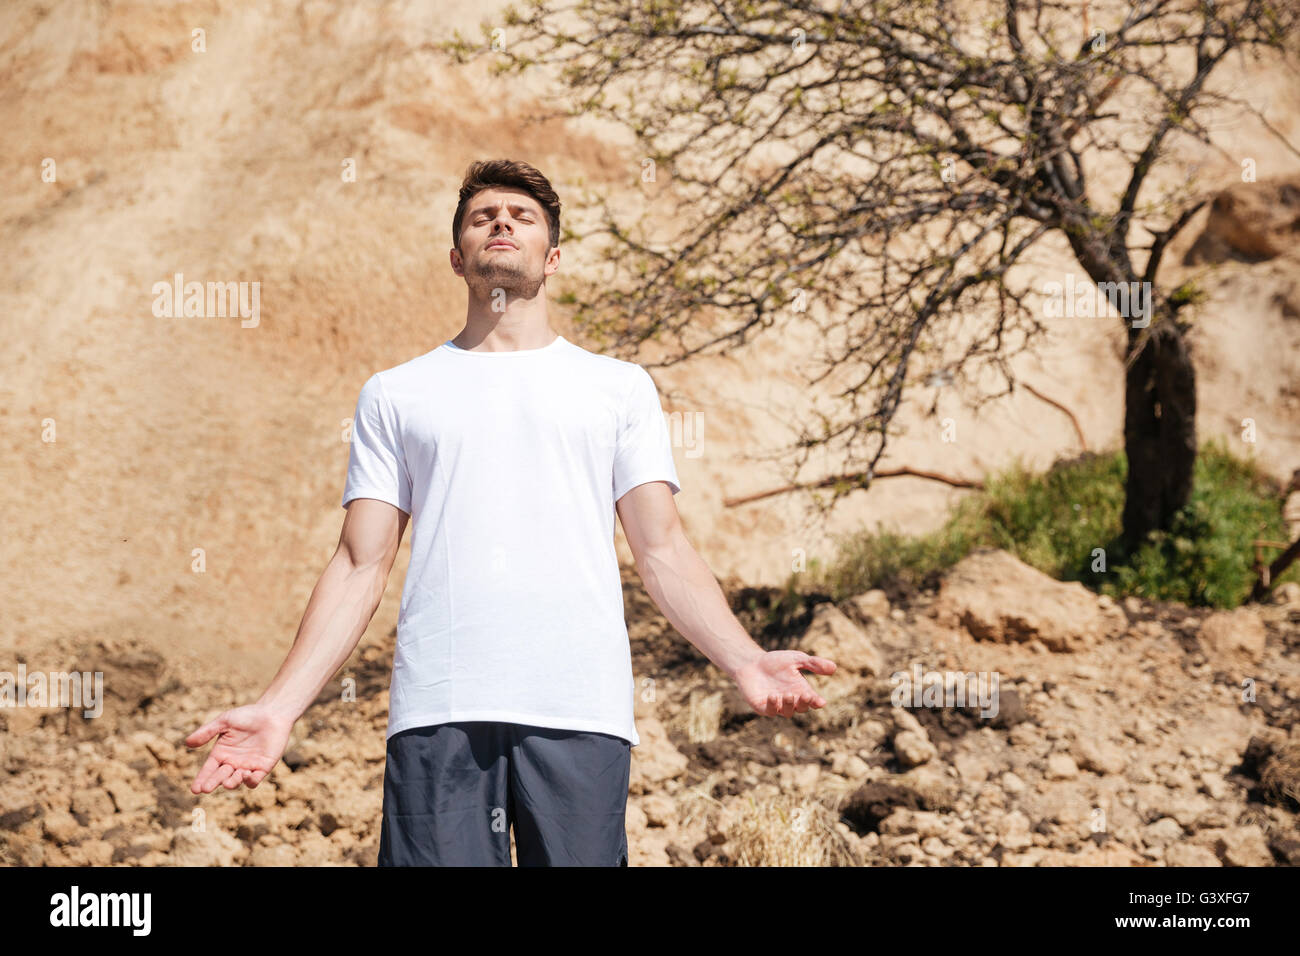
[512,277]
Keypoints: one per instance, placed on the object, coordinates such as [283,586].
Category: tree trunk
[1159,430]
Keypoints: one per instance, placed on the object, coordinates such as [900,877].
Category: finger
[221,775]
[210,768]
[818,665]
[809,698]
[206,732]
[787,705]
[256,778]
[235,779]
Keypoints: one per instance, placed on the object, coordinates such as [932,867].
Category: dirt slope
[1131,744]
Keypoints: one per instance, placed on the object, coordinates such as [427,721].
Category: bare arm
[685,590]
[341,605]
[251,739]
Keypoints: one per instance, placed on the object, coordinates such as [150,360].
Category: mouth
[501,244]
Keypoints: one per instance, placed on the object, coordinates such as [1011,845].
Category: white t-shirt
[509,464]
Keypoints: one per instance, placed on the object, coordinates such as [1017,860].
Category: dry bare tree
[890,161]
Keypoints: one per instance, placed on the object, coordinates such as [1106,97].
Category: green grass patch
[1058,520]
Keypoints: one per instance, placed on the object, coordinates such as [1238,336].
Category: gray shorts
[452,791]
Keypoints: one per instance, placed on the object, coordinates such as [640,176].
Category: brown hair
[489,174]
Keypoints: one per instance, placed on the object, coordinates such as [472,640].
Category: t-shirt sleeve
[644,451]
[376,463]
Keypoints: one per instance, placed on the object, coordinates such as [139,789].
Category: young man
[512,691]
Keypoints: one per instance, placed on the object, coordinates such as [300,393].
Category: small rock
[1141,730]
[913,749]
[282,854]
[1287,847]
[129,793]
[902,820]
[929,824]
[655,760]
[1061,766]
[1013,831]
[1214,784]
[855,767]
[163,751]
[903,849]
[1243,846]
[1099,756]
[1188,810]
[872,604]
[1025,735]
[904,719]
[1188,854]
[834,636]
[798,777]
[1178,778]
[94,802]
[1012,783]
[1228,637]
[60,826]
[261,797]
[1163,832]
[315,850]
[935,847]
[1011,709]
[660,810]
[96,852]
[213,847]
[972,767]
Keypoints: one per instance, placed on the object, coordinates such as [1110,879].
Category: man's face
[504,244]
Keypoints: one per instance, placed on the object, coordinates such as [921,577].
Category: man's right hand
[250,742]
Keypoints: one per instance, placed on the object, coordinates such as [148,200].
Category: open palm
[250,741]
[773,686]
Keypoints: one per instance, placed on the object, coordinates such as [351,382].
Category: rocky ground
[1133,734]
